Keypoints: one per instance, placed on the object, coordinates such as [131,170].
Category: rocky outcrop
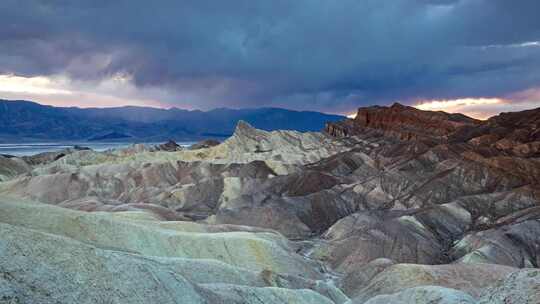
[292,147]
[403,122]
[169,146]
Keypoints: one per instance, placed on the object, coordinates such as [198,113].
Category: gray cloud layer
[316,54]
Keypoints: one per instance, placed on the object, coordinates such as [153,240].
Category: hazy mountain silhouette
[29,121]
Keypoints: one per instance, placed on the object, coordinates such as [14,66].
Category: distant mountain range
[29,121]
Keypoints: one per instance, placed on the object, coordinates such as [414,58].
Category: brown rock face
[508,143]
[518,133]
[514,134]
[467,190]
[403,122]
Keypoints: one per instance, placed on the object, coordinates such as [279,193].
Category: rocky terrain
[395,206]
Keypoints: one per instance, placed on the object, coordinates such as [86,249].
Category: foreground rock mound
[43,268]
[48,253]
[252,250]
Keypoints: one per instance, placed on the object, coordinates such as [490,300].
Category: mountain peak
[241,124]
[398,105]
[244,128]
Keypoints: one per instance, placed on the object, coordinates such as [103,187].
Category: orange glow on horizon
[473,107]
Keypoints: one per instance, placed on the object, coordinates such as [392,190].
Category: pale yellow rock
[255,251]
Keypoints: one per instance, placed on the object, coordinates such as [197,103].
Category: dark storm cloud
[328,55]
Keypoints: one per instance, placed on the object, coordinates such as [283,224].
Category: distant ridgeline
[29,121]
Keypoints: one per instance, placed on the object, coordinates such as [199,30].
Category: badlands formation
[395,206]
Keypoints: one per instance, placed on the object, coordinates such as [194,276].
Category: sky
[478,57]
